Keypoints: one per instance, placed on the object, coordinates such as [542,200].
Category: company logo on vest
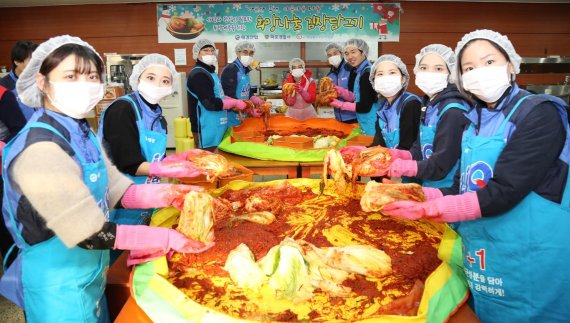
[427,150]
[478,174]
[93,177]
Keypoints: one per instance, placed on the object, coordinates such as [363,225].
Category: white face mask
[76,99]
[209,60]
[297,72]
[246,60]
[431,83]
[487,83]
[335,60]
[153,94]
[388,85]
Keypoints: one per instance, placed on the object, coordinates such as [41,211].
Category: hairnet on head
[494,37]
[446,53]
[199,45]
[296,60]
[394,59]
[146,62]
[28,92]
[243,45]
[358,43]
[333,45]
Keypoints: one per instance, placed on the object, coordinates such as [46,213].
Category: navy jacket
[447,140]
[202,85]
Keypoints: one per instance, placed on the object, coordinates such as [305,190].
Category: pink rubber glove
[256,100]
[348,106]
[400,154]
[174,168]
[350,152]
[147,196]
[290,101]
[430,193]
[139,256]
[256,113]
[155,241]
[301,90]
[231,103]
[450,208]
[400,167]
[345,93]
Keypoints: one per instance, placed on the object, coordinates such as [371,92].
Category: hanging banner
[278,22]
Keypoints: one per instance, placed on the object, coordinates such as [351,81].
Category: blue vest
[516,263]
[49,280]
[242,91]
[212,125]
[428,129]
[389,117]
[341,79]
[152,140]
[26,110]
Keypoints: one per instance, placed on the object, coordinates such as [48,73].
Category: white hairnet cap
[296,60]
[333,45]
[494,37]
[199,45]
[28,92]
[147,61]
[394,59]
[446,53]
[358,43]
[243,45]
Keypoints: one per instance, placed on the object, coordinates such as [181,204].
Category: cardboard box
[240,173]
[294,142]
[199,181]
[248,136]
[360,140]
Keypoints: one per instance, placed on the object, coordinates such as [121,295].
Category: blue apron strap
[566,195]
[504,124]
[7,256]
[453,105]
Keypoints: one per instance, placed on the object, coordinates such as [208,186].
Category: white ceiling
[32,3]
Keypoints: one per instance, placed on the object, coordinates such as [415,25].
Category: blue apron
[152,140]
[51,282]
[26,110]
[242,92]
[212,125]
[341,79]
[367,120]
[427,135]
[389,118]
[513,261]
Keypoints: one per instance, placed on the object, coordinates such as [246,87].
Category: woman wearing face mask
[340,73]
[236,81]
[207,105]
[59,187]
[358,96]
[434,156]
[300,105]
[398,110]
[513,210]
[133,131]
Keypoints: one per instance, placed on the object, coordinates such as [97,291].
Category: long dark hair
[84,56]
